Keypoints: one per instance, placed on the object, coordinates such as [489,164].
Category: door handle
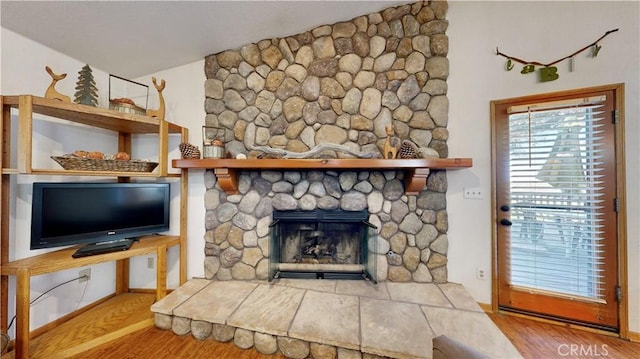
[505,222]
[504,208]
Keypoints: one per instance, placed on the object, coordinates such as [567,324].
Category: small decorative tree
[86,90]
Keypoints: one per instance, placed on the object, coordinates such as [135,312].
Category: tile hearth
[396,320]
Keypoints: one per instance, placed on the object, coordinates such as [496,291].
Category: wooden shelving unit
[417,170]
[124,125]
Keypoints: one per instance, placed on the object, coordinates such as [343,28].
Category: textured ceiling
[136,38]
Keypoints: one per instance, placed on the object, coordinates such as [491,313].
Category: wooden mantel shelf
[417,170]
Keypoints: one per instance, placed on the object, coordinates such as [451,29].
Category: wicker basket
[73,163]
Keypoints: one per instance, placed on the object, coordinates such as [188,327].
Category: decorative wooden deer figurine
[390,151]
[51,92]
[159,113]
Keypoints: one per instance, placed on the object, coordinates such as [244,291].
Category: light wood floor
[85,336]
[543,340]
[533,339]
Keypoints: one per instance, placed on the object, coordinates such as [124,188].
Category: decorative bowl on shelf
[74,163]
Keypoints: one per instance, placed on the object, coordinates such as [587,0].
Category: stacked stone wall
[343,84]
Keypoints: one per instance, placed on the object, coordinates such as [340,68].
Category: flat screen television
[72,213]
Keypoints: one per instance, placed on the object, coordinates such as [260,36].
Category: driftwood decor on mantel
[312,152]
[417,170]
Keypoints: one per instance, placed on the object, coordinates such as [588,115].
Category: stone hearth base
[331,319]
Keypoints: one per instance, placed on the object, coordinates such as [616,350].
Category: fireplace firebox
[322,244]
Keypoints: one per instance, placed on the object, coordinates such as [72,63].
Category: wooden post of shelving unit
[23,292]
[122,265]
[184,202]
[5,158]
[161,272]
[25,133]
[163,148]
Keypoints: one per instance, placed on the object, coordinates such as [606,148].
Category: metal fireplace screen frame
[331,265]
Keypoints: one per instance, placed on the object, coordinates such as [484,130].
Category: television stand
[50,262]
[104,247]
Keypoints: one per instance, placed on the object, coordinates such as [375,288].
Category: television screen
[73,213]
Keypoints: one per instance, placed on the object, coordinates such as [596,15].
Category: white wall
[542,31]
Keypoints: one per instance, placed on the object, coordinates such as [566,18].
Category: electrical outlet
[481,273]
[473,193]
[150,262]
[84,275]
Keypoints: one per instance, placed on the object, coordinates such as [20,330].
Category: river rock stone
[213,89]
[162,321]
[398,242]
[351,101]
[265,343]
[411,258]
[297,72]
[344,353]
[222,333]
[437,67]
[408,90]
[364,79]
[323,67]
[292,108]
[331,134]
[293,348]
[360,43]
[243,338]
[399,274]
[371,103]
[283,202]
[427,234]
[422,274]
[411,224]
[323,47]
[233,100]
[211,266]
[304,56]
[331,88]
[242,271]
[311,88]
[350,63]
[271,56]
[322,351]
[384,62]
[353,201]
[229,257]
[440,245]
[200,329]
[229,59]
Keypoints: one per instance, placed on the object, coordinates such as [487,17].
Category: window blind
[555,165]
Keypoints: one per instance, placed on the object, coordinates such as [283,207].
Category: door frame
[618,89]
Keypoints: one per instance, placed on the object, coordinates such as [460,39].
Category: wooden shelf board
[48,172]
[249,164]
[93,116]
[417,170]
[60,260]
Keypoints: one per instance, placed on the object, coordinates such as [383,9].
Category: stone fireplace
[344,84]
[322,244]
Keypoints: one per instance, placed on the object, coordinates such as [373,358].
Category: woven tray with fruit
[97,161]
